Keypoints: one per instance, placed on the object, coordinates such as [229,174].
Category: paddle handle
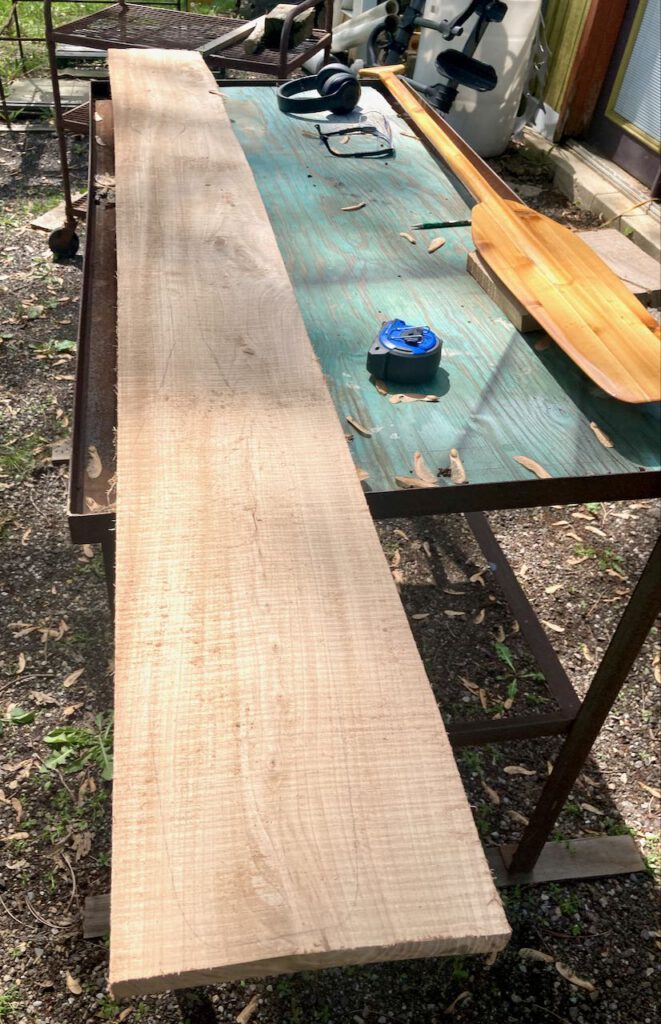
[441,142]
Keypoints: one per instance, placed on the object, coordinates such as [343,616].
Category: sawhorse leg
[635,624]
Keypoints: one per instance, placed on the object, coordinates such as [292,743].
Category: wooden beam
[231,38]
[285,795]
[590,65]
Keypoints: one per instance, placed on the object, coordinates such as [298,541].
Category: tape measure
[404,354]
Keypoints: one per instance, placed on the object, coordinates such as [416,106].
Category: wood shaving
[409,237]
[380,386]
[479,618]
[599,434]
[533,466]
[395,399]
[552,626]
[421,470]
[435,244]
[94,465]
[517,769]
[356,206]
[451,614]
[411,481]
[359,427]
[457,471]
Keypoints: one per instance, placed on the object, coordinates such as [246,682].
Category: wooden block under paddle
[635,268]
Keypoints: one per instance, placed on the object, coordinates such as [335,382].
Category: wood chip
[94,465]
[535,954]
[20,667]
[599,434]
[421,470]
[248,1010]
[533,466]
[452,614]
[380,386]
[566,972]
[483,695]
[409,238]
[435,244]
[553,589]
[356,206]
[591,809]
[477,577]
[552,626]
[421,615]
[479,618]
[359,427]
[395,399]
[499,634]
[396,559]
[517,769]
[457,471]
[411,481]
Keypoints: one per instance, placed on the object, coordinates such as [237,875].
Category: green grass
[32,24]
[9,1000]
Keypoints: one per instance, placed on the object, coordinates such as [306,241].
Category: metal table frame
[198,29]
[95,417]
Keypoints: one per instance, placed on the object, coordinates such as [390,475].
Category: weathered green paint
[499,396]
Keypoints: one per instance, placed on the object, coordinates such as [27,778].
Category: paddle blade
[573,296]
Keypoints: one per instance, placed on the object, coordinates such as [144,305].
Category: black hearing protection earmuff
[337,86]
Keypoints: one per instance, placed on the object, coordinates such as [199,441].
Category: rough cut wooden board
[285,795]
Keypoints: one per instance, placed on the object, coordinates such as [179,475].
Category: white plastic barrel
[484,119]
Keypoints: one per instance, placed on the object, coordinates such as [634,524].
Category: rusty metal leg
[108,548]
[622,651]
[59,115]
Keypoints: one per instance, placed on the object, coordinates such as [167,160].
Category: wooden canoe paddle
[569,290]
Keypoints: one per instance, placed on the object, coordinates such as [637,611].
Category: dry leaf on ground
[73,985]
[72,677]
[566,972]
[535,954]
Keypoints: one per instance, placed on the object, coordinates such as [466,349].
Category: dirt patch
[56,680]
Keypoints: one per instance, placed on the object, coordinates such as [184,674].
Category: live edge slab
[285,796]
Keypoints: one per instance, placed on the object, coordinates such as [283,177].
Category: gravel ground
[578,565]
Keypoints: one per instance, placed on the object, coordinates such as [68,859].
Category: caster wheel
[64,242]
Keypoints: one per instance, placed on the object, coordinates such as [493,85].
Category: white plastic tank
[484,119]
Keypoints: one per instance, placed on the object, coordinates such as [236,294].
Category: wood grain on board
[285,795]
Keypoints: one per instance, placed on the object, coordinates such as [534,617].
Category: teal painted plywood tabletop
[498,395]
